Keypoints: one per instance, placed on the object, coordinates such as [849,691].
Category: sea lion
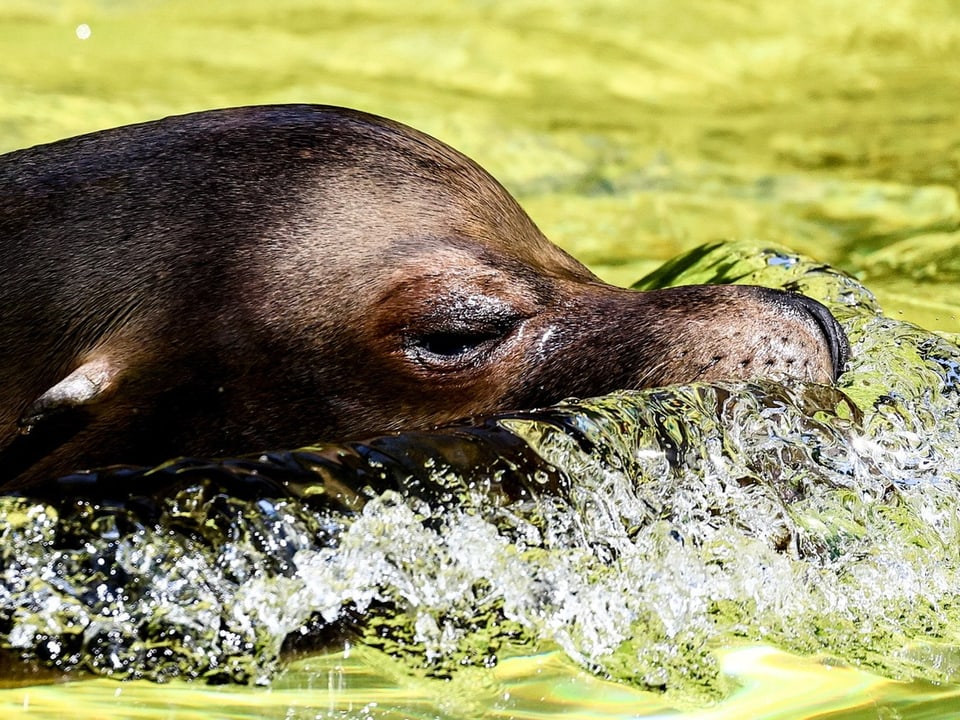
[235,280]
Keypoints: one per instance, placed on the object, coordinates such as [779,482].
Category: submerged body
[235,280]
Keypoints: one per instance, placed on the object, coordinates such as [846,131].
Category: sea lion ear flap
[55,417]
[86,385]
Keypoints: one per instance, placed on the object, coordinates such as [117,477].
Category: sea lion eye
[458,332]
[452,344]
[457,347]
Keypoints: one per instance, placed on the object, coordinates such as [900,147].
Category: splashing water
[640,531]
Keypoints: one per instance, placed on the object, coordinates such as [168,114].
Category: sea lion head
[243,279]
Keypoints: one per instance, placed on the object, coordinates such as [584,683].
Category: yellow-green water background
[630,131]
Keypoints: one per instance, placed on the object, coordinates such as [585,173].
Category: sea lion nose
[833,334]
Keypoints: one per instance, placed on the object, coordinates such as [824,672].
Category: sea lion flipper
[81,388]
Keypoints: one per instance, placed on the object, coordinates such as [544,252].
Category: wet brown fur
[230,281]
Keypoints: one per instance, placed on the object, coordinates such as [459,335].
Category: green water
[631,132]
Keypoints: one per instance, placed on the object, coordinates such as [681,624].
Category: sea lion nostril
[836,338]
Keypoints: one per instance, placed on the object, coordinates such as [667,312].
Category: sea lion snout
[253,278]
[622,339]
[728,332]
[835,338]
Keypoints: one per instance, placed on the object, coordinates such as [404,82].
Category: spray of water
[639,531]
